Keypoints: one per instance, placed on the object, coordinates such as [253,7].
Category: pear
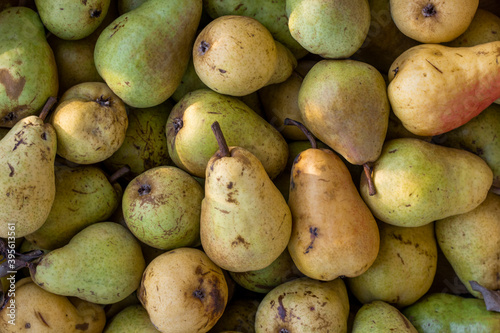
[245,222]
[420,92]
[381,317]
[162,208]
[180,279]
[239,316]
[416,180]
[154,40]
[190,82]
[333,231]
[125,6]
[91,123]
[191,143]
[433,21]
[407,257]
[112,310]
[27,181]
[231,44]
[471,243]
[145,143]
[484,28]
[479,136]
[272,14]
[84,195]
[333,29]
[28,72]
[101,264]
[37,310]
[446,313]
[264,280]
[304,305]
[133,318]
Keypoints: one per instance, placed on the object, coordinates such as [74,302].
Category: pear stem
[21,260]
[118,174]
[46,108]
[301,126]
[221,141]
[368,173]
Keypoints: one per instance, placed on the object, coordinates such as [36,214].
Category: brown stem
[369,179]
[118,174]
[221,141]
[46,108]
[301,126]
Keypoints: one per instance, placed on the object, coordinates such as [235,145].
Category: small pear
[245,222]
[381,317]
[102,264]
[133,318]
[181,279]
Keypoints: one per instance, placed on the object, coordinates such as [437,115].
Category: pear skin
[133,318]
[381,317]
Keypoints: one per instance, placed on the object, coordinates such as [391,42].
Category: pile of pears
[192,166]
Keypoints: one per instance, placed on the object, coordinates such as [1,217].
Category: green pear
[344,104]
[84,196]
[272,14]
[101,264]
[28,72]
[479,136]
[416,180]
[145,144]
[191,142]
[183,291]
[239,316]
[37,310]
[381,317]
[446,313]
[304,305]
[245,222]
[407,257]
[27,181]
[190,82]
[471,243]
[133,318]
[331,29]
[229,45]
[162,208]
[125,6]
[264,280]
[152,41]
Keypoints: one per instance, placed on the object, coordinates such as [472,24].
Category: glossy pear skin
[101,264]
[152,41]
[245,222]
[416,180]
[27,181]
[381,317]
[420,93]
[333,231]
[28,72]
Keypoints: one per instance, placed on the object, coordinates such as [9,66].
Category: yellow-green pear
[381,317]
[484,28]
[245,222]
[132,319]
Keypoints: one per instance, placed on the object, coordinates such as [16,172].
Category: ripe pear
[231,44]
[239,316]
[37,310]
[433,21]
[181,279]
[420,93]
[471,243]
[440,312]
[416,180]
[484,28]
[133,318]
[27,181]
[333,231]
[162,208]
[101,264]
[91,123]
[84,195]
[332,29]
[272,14]
[28,71]
[152,41]
[381,317]
[191,143]
[145,143]
[245,222]
[304,305]
[407,257]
